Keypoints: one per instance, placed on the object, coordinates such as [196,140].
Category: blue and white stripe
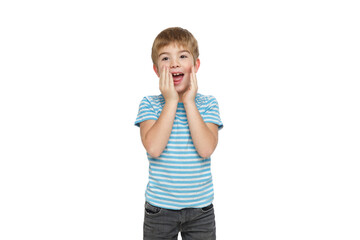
[179,178]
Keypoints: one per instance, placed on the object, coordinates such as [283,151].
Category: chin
[180,89]
[183,86]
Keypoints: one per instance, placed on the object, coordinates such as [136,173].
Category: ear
[156,70]
[197,65]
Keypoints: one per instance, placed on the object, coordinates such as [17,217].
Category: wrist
[189,99]
[169,98]
[189,103]
[171,101]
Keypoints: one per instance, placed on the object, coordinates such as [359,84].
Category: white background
[286,76]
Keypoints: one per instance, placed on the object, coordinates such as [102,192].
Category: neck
[180,97]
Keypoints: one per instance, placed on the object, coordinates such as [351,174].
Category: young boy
[179,130]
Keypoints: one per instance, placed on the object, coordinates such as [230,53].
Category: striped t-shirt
[179,178]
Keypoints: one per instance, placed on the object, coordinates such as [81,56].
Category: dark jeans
[193,223]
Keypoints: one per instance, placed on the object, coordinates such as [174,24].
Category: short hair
[180,37]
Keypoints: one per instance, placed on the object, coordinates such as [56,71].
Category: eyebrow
[178,52]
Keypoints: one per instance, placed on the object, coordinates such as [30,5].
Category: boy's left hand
[190,94]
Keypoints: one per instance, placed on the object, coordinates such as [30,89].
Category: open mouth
[177,77]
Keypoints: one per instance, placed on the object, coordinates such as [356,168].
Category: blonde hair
[177,35]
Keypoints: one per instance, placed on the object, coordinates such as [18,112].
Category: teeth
[176,74]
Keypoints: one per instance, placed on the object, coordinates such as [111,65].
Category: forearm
[204,140]
[158,135]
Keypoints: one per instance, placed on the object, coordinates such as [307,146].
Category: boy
[179,130]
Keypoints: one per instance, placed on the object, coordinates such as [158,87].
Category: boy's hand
[167,86]
[190,94]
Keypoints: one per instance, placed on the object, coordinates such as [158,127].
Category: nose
[174,63]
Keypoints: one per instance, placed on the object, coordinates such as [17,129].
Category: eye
[183,56]
[165,59]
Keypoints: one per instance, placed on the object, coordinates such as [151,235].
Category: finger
[192,72]
[194,78]
[171,80]
[168,77]
[162,77]
[163,70]
[195,81]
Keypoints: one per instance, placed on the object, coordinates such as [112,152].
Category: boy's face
[180,61]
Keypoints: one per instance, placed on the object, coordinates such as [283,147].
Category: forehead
[173,48]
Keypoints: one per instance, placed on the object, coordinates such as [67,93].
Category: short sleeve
[146,112]
[212,113]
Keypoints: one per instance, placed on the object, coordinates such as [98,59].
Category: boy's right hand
[167,87]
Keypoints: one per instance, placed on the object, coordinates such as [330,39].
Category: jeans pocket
[152,210]
[207,208]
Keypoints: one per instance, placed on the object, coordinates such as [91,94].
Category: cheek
[161,65]
[188,69]
[165,63]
